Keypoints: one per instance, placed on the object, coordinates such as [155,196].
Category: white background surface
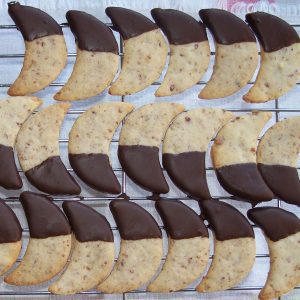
[11,43]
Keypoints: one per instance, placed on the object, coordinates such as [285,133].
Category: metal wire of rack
[105,199]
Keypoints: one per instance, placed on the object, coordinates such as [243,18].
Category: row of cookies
[91,251]
[145,53]
[250,173]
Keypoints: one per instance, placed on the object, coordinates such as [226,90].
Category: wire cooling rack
[289,105]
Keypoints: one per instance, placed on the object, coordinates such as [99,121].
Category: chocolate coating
[51,176]
[9,175]
[179,27]
[90,33]
[244,181]
[225,27]
[276,223]
[272,32]
[225,220]
[129,23]
[32,22]
[95,170]
[134,222]
[181,222]
[283,181]
[44,218]
[141,164]
[187,171]
[86,223]
[10,228]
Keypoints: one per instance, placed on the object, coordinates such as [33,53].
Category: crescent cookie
[141,248]
[93,253]
[234,157]
[277,157]
[38,151]
[49,244]
[236,53]
[185,145]
[188,247]
[234,246]
[10,237]
[145,51]
[189,50]
[97,59]
[45,49]
[89,142]
[282,232]
[280,57]
[13,113]
[139,143]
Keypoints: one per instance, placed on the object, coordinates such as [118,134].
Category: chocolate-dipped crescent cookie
[97,59]
[13,113]
[38,151]
[93,252]
[141,248]
[140,139]
[185,145]
[277,157]
[282,232]
[280,57]
[45,49]
[189,50]
[236,53]
[89,142]
[10,237]
[234,158]
[145,51]
[234,246]
[49,243]
[188,247]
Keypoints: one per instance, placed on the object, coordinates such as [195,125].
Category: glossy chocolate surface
[10,228]
[90,33]
[52,177]
[272,32]
[129,22]
[225,220]
[9,175]
[245,182]
[181,222]
[133,221]
[44,218]
[179,27]
[283,181]
[276,223]
[32,22]
[95,170]
[86,223]
[226,28]
[141,164]
[187,171]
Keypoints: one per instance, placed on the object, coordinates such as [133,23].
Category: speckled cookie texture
[13,112]
[38,137]
[193,130]
[44,258]
[229,266]
[44,59]
[236,141]
[233,69]
[93,130]
[137,263]
[92,74]
[280,144]
[147,125]
[144,59]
